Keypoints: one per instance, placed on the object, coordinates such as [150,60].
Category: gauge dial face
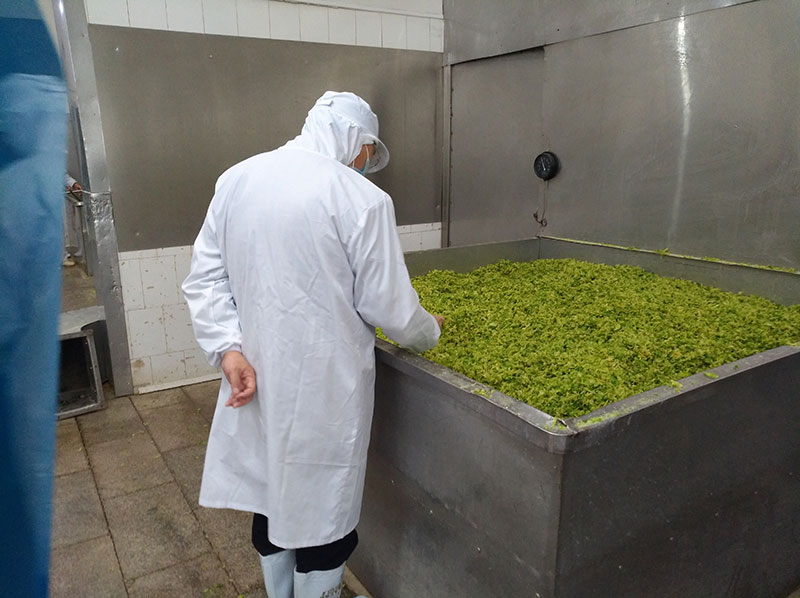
[546,165]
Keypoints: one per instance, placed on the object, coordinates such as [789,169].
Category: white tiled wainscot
[376,23]
[161,342]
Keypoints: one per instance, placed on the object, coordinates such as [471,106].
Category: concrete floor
[126,521]
[77,289]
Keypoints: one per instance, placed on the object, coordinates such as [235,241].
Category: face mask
[363,171]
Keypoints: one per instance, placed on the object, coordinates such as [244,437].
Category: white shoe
[278,571]
[320,584]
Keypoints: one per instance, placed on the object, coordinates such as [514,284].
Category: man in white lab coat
[297,262]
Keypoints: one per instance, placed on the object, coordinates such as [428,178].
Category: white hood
[338,125]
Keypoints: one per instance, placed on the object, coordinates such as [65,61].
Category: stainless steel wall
[477,29]
[180,108]
[496,122]
[679,134]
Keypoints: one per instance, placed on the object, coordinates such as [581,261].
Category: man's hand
[241,376]
[439,320]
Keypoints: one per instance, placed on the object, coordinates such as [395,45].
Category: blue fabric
[32,160]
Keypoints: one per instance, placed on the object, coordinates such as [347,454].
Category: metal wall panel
[682,134]
[496,129]
[478,29]
[180,108]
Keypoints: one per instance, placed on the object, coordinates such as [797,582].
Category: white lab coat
[296,263]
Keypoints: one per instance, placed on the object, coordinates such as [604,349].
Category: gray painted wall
[679,134]
[180,108]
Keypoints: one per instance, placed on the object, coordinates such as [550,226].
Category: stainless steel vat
[667,493]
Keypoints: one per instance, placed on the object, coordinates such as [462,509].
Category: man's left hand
[241,376]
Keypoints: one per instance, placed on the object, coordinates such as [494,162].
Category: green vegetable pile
[569,337]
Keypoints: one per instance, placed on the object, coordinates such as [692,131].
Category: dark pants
[314,558]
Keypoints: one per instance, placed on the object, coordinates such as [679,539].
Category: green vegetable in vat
[569,337]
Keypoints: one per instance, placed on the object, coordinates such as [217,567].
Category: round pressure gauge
[546,165]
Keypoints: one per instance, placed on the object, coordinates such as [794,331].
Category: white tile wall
[178,328]
[159,282]
[185,15]
[140,254]
[424,8]
[284,20]
[253,17]
[175,251]
[219,17]
[342,23]
[148,14]
[418,32]
[196,364]
[391,24]
[437,35]
[107,12]
[140,372]
[411,241]
[368,29]
[168,367]
[146,332]
[160,336]
[431,239]
[314,24]
[393,31]
[182,265]
[131,280]
[416,237]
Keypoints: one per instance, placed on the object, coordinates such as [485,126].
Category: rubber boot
[320,584]
[278,571]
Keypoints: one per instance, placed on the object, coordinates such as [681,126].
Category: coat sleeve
[383,295]
[208,294]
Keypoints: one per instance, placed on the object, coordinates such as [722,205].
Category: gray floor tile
[186,464]
[176,426]
[127,465]
[86,569]
[70,453]
[203,576]
[162,398]
[118,420]
[154,529]
[243,565]
[77,512]
[226,527]
[204,396]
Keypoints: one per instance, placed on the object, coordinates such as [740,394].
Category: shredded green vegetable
[569,337]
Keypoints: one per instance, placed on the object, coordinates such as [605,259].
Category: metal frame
[101,252]
[94,372]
